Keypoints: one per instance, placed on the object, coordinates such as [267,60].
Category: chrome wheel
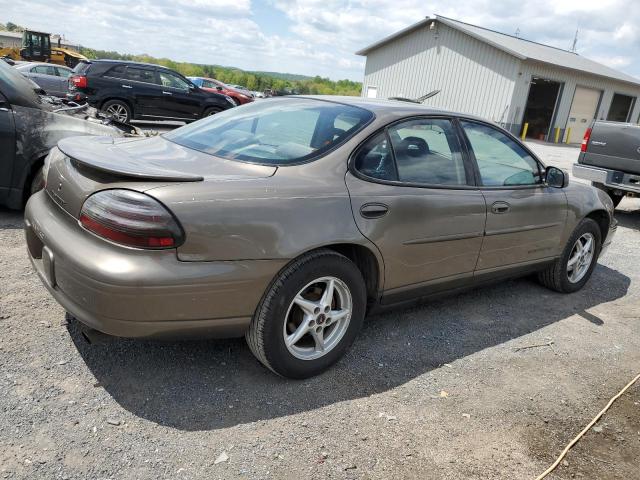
[317,318]
[581,257]
[117,111]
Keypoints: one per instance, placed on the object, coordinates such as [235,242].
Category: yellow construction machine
[36,47]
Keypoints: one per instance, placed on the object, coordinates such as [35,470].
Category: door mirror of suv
[219,88]
[556,177]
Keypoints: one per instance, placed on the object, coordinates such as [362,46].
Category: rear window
[274,132]
[82,68]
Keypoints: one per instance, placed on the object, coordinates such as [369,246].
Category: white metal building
[504,78]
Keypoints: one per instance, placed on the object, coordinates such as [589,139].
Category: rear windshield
[274,131]
[81,67]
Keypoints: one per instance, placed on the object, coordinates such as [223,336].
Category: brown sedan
[288,220]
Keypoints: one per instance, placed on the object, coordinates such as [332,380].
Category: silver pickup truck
[610,159]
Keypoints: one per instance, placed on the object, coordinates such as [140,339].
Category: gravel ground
[432,391]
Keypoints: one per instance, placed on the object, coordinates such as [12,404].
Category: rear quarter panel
[296,210]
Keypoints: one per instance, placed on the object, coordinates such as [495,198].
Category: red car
[217,86]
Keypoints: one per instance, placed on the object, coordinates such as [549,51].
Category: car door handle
[127,86]
[500,207]
[166,93]
[374,210]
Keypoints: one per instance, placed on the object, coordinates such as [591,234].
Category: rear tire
[118,109]
[559,275]
[302,341]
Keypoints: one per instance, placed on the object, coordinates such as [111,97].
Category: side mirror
[219,89]
[556,177]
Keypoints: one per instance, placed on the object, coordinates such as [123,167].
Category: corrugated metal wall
[570,79]
[474,77]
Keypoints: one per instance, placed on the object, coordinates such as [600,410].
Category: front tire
[572,270]
[309,316]
[211,111]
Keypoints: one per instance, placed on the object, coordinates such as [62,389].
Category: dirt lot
[433,391]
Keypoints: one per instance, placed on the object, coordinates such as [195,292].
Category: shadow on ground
[11,219]
[209,385]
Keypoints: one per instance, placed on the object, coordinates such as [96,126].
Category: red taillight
[130,218]
[80,81]
[585,140]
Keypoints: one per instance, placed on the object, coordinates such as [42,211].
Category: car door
[7,146]
[62,80]
[525,218]
[412,195]
[179,101]
[141,87]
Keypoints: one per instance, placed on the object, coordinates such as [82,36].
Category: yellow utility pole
[524,131]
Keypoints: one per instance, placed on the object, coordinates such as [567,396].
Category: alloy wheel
[581,257]
[317,318]
[119,112]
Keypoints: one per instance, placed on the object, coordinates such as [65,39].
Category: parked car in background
[210,84]
[289,220]
[610,158]
[30,125]
[241,88]
[141,91]
[53,79]
[257,94]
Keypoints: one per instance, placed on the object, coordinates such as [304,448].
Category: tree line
[255,81]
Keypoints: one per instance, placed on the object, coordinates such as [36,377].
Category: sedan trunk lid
[87,164]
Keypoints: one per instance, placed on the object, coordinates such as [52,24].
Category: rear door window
[119,71]
[427,151]
[143,75]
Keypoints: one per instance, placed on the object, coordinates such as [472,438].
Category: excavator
[36,47]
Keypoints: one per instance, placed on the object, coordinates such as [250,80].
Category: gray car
[288,220]
[53,79]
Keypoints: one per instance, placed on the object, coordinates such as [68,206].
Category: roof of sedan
[378,104]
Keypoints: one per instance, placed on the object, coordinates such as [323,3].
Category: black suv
[140,91]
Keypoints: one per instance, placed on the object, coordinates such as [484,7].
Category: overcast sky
[319,37]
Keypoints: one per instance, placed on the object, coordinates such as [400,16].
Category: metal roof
[518,47]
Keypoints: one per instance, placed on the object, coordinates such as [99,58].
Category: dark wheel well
[366,262]
[601,217]
[26,187]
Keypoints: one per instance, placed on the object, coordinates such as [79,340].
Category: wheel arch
[30,173]
[366,261]
[601,217]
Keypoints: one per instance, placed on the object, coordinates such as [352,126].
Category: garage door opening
[621,107]
[541,106]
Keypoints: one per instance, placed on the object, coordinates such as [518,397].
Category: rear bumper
[626,182]
[140,293]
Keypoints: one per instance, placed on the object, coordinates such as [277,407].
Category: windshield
[274,132]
